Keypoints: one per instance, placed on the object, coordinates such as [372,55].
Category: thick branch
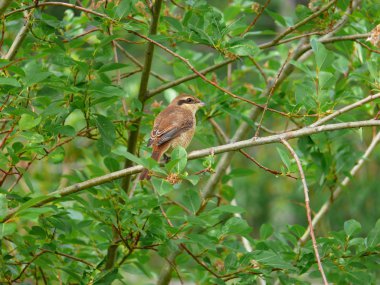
[194,155]
[134,133]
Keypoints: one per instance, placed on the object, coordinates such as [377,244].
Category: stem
[134,133]
[308,210]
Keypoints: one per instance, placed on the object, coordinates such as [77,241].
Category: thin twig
[68,5]
[367,47]
[327,205]
[28,264]
[299,24]
[250,26]
[137,62]
[275,172]
[176,82]
[346,109]
[308,210]
[82,34]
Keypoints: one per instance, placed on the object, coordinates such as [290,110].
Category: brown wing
[169,124]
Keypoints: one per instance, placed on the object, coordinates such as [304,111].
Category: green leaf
[106,277]
[178,160]
[271,259]
[236,226]
[320,52]
[373,238]
[123,8]
[284,157]
[7,229]
[161,186]
[112,66]
[352,227]
[3,205]
[228,209]
[9,81]
[266,230]
[107,132]
[27,122]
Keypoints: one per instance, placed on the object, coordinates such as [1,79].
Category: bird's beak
[202,103]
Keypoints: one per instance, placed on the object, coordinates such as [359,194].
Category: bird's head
[188,102]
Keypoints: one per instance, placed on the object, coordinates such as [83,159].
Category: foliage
[74,106]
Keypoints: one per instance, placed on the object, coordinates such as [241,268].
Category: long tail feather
[156,155]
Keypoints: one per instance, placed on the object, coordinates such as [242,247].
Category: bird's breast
[183,139]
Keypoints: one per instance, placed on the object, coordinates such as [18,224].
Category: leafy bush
[81,83]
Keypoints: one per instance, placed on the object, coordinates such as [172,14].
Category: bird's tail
[156,155]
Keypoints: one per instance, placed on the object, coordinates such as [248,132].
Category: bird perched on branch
[173,127]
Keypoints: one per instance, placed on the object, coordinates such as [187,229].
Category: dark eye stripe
[184,101]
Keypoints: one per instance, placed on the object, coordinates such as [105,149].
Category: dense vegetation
[290,98]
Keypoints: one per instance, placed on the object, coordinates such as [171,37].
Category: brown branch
[299,24]
[174,83]
[136,61]
[367,47]
[271,91]
[275,172]
[250,26]
[28,264]
[82,34]
[68,5]
[70,257]
[308,210]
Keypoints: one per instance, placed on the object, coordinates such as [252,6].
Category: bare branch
[308,210]
[19,38]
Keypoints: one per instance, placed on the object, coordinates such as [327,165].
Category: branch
[250,26]
[68,5]
[193,155]
[308,210]
[134,133]
[346,109]
[326,206]
[171,84]
[19,38]
[299,24]
[204,78]
[4,5]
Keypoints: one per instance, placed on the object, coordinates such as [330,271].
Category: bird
[173,127]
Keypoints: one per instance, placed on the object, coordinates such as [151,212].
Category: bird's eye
[189,100]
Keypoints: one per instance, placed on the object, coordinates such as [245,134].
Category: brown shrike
[174,126]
